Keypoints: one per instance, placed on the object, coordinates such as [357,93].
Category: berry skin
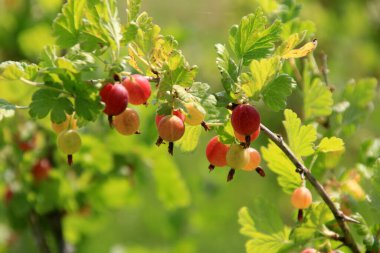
[194,115]
[245,119]
[309,250]
[115,98]
[253,136]
[177,113]
[69,123]
[41,169]
[127,123]
[301,198]
[254,160]
[216,153]
[69,142]
[171,128]
[237,157]
[138,88]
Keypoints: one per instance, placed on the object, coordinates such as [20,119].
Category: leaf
[276,92]
[190,139]
[301,52]
[300,138]
[45,101]
[280,164]
[133,9]
[360,93]
[171,188]
[262,71]
[288,44]
[264,237]
[251,39]
[331,144]
[87,107]
[318,99]
[11,70]
[67,25]
[227,68]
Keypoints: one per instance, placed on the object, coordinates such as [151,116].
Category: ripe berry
[237,157]
[177,113]
[171,128]
[245,119]
[41,169]
[138,88]
[195,115]
[69,123]
[254,160]
[301,198]
[8,195]
[309,250]
[128,122]
[69,142]
[252,137]
[27,145]
[115,98]
[216,153]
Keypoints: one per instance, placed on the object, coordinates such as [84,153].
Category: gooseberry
[195,115]
[177,113]
[245,119]
[41,169]
[237,157]
[252,137]
[127,122]
[69,142]
[69,123]
[301,198]
[139,89]
[216,153]
[171,128]
[254,160]
[115,96]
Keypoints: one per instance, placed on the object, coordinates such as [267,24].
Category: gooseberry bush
[129,74]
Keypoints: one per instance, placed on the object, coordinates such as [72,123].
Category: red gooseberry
[171,128]
[41,169]
[115,96]
[253,136]
[245,119]
[139,89]
[216,153]
[128,122]
[254,160]
[177,113]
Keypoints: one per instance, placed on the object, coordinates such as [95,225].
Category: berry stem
[341,219]
[110,121]
[260,171]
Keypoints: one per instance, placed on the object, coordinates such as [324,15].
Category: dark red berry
[245,119]
[115,96]
[138,88]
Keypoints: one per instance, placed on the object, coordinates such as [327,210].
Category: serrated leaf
[251,39]
[280,164]
[6,109]
[318,99]
[360,93]
[272,238]
[87,107]
[171,188]
[133,9]
[262,72]
[190,139]
[276,92]
[11,70]
[301,138]
[227,68]
[331,144]
[66,26]
[288,45]
[45,101]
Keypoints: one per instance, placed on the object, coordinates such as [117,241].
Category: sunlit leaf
[318,99]
[302,51]
[276,92]
[331,144]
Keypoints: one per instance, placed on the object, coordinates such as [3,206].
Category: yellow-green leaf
[331,144]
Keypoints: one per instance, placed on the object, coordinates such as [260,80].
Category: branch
[347,238]
[38,233]
[55,218]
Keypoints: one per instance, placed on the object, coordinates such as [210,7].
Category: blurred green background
[137,221]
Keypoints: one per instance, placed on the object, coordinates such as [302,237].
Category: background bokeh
[347,31]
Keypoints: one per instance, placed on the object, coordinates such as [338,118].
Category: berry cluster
[245,120]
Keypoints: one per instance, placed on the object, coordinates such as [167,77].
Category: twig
[347,239]
[324,69]
[38,233]
[55,218]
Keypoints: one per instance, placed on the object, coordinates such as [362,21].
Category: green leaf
[190,139]
[361,93]
[280,164]
[318,99]
[45,101]
[11,70]
[288,44]
[331,144]
[87,107]
[171,188]
[270,236]
[276,92]
[251,39]
[6,109]
[67,25]
[227,68]
[301,138]
[262,71]
[133,9]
